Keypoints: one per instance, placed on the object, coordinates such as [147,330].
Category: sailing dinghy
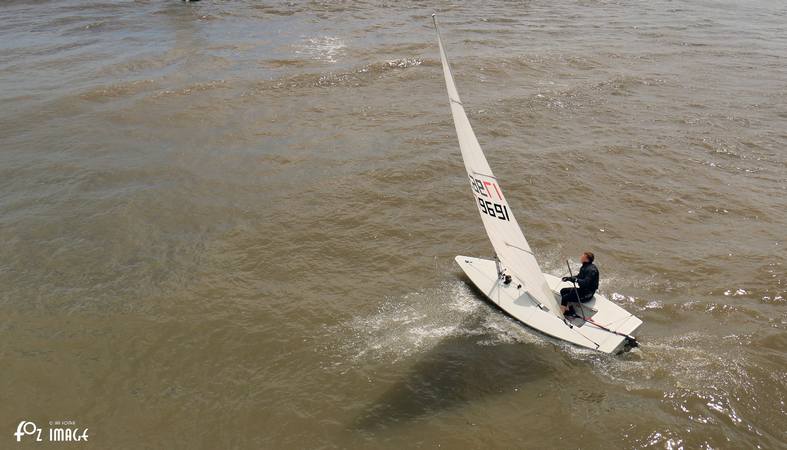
[514,281]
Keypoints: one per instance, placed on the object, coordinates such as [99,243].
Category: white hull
[514,300]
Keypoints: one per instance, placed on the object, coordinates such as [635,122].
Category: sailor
[587,279]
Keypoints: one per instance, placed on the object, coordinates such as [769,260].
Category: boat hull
[514,300]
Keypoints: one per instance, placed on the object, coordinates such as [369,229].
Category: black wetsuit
[587,279]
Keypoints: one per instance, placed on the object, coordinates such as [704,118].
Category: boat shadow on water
[458,371]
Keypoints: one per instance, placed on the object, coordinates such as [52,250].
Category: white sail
[507,239]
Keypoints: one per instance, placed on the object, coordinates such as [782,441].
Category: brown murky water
[232,224]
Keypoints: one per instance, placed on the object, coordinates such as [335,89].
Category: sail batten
[501,226]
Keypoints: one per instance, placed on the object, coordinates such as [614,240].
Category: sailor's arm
[584,277]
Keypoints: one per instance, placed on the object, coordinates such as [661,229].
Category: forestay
[507,239]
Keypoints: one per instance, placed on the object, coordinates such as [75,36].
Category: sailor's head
[587,257]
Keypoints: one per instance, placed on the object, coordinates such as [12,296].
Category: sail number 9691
[493,209]
[489,189]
